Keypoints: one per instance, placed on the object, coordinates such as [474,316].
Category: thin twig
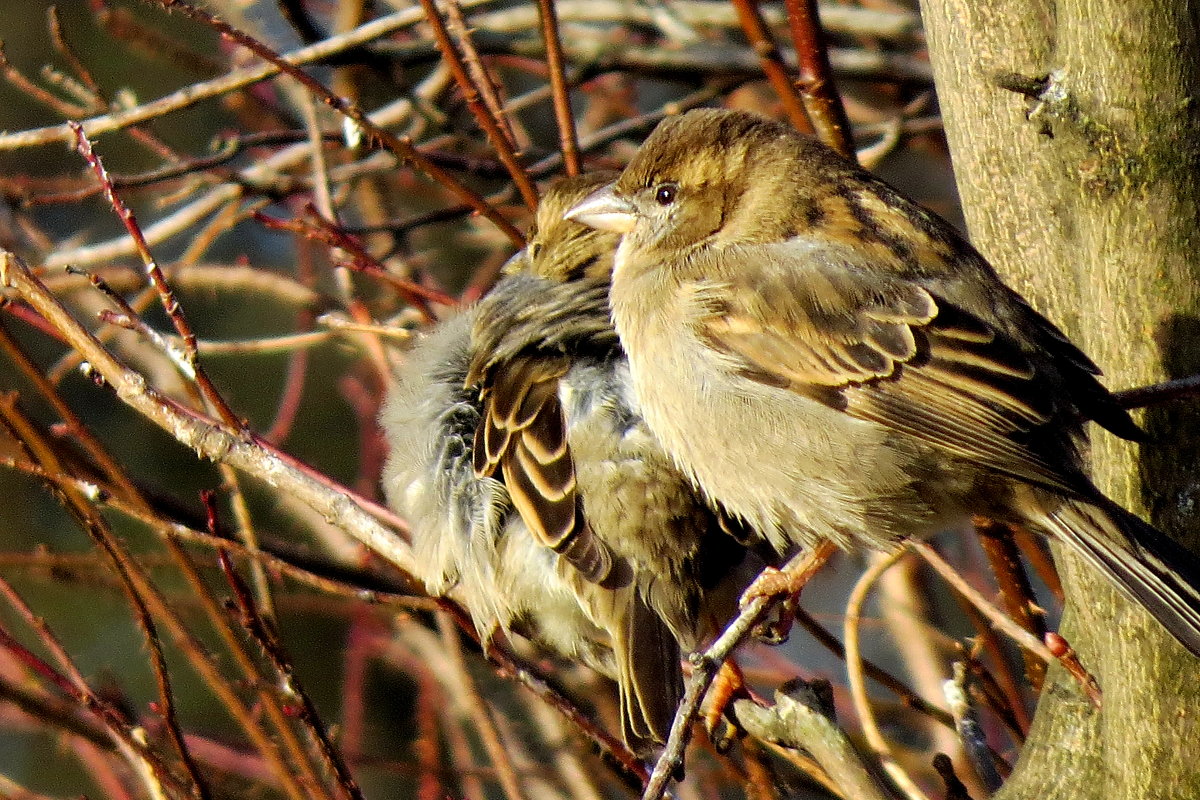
[579,781]
[614,751]
[230,82]
[1159,392]
[706,665]
[1034,548]
[402,148]
[263,632]
[1004,701]
[78,431]
[74,685]
[500,143]
[350,582]
[80,507]
[31,90]
[858,684]
[67,51]
[354,514]
[1016,592]
[477,709]
[759,37]
[567,137]
[323,230]
[640,124]
[193,369]
[891,24]
[204,664]
[481,77]
[815,82]
[288,408]
[998,618]
[430,704]
[874,671]
[140,585]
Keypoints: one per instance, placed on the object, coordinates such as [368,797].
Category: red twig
[1038,555]
[428,700]
[151,41]
[481,78]
[356,661]
[569,141]
[293,393]
[33,319]
[27,433]
[289,403]
[614,751]
[478,711]
[73,425]
[470,92]
[1067,656]
[326,232]
[35,92]
[815,82]
[75,688]
[873,670]
[159,281]
[773,66]
[1015,589]
[67,51]
[401,147]
[264,633]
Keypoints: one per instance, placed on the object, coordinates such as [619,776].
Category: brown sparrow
[536,493]
[827,359]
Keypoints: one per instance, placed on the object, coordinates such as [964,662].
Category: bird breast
[814,467]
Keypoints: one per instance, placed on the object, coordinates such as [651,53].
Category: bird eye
[664,195]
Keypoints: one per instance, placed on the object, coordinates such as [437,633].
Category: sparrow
[828,360]
[536,493]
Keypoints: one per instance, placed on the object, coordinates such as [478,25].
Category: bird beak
[604,211]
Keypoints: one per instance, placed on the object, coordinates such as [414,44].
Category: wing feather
[817,321]
[521,353]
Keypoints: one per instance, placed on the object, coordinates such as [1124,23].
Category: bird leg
[785,583]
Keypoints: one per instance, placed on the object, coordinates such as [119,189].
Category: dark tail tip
[1148,566]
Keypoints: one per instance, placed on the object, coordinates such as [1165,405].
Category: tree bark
[1087,201]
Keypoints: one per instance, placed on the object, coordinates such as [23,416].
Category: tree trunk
[1089,207]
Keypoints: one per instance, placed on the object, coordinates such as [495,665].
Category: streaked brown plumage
[522,349]
[827,359]
[514,436]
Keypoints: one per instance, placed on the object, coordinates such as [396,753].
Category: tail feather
[1143,562]
[650,677]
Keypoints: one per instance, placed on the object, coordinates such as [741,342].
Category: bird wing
[813,318]
[522,432]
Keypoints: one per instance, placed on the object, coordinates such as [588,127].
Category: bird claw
[776,630]
[770,583]
[787,583]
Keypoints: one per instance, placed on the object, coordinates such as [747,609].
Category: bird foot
[727,686]
[787,583]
